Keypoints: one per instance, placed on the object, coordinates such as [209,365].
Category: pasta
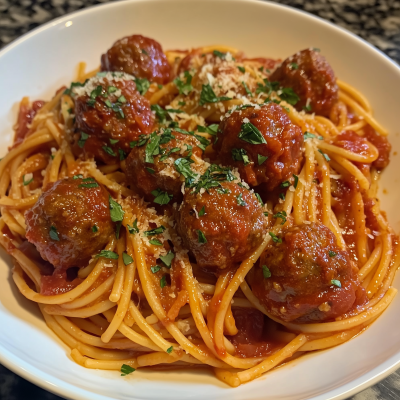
[142,291]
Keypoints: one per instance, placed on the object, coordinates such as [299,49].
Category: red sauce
[252,340]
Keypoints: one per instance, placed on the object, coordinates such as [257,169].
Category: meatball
[222,225]
[305,276]
[313,80]
[70,222]
[262,143]
[109,114]
[148,174]
[139,56]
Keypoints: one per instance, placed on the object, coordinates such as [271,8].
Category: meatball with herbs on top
[109,114]
[220,222]
[304,276]
[262,143]
[150,166]
[139,56]
[70,222]
[311,78]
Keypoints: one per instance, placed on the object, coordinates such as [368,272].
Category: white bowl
[45,59]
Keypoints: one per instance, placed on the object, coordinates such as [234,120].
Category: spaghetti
[146,295]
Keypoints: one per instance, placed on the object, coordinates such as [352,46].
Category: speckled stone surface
[377,21]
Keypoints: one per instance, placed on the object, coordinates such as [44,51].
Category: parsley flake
[109,151]
[126,370]
[266,272]
[155,268]
[161,197]
[167,259]
[53,234]
[275,238]
[134,228]
[210,129]
[337,283]
[259,199]
[79,176]
[116,211]
[142,85]
[282,215]
[127,258]
[184,87]
[250,134]
[327,158]
[240,201]
[26,183]
[202,211]
[285,184]
[95,229]
[208,95]
[155,231]
[170,349]
[219,54]
[332,253]
[289,95]
[201,238]
[296,181]
[240,155]
[107,254]
[241,69]
[261,159]
[82,140]
[163,282]
[155,242]
[294,66]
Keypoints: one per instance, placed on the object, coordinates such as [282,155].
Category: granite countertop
[377,21]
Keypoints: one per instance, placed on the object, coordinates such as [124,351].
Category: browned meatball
[109,114]
[305,276]
[70,222]
[159,172]
[139,56]
[313,80]
[262,143]
[222,225]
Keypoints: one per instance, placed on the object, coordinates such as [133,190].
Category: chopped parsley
[127,258]
[145,52]
[212,178]
[307,108]
[308,135]
[282,196]
[240,155]
[117,229]
[114,141]
[161,114]
[111,89]
[122,154]
[109,151]
[82,140]
[182,165]
[155,242]
[95,229]
[246,88]
[266,272]
[107,254]
[294,65]
[207,95]
[289,95]
[163,282]
[337,283]
[282,215]
[142,85]
[134,228]
[150,170]
[332,253]
[327,158]
[54,234]
[26,183]
[167,259]
[202,211]
[285,184]
[89,185]
[184,87]
[155,231]
[79,176]
[161,197]
[275,238]
[296,181]
[201,238]
[116,211]
[74,84]
[261,159]
[126,369]
[266,213]
[170,349]
[259,199]
[210,129]
[240,201]
[155,268]
[219,54]
[152,148]
[241,69]
[267,88]
[141,142]
[250,134]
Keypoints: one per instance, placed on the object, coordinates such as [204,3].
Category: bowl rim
[68,391]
